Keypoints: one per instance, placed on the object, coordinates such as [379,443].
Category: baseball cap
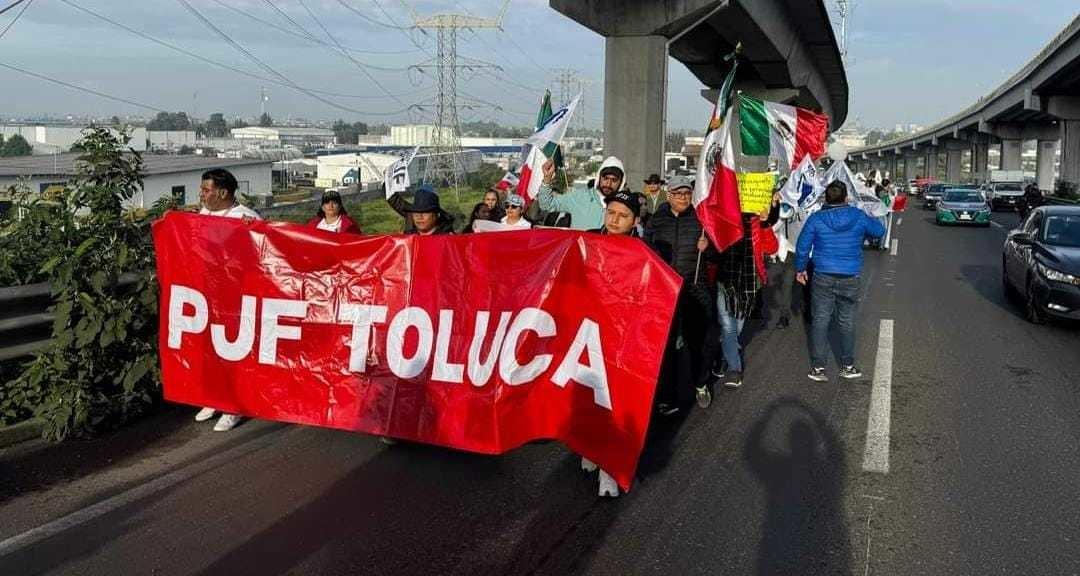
[680,182]
[628,199]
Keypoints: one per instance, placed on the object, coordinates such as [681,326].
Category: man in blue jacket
[834,237]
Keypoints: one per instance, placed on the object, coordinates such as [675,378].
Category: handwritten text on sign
[755,190]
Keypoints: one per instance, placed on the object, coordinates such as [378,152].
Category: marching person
[651,197]
[587,207]
[332,215]
[621,218]
[781,266]
[491,200]
[676,235]
[834,236]
[481,211]
[424,215]
[515,212]
[217,195]
[740,275]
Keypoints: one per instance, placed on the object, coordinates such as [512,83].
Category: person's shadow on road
[804,531]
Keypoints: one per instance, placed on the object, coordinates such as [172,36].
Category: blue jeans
[730,328]
[833,296]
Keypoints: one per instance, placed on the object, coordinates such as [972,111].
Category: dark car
[933,194]
[1041,263]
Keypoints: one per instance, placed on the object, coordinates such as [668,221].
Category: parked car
[963,206]
[1040,263]
[1006,195]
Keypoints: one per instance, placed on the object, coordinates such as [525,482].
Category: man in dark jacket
[834,237]
[424,215]
[675,234]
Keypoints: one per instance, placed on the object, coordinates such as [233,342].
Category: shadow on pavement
[417,509]
[986,280]
[796,456]
[23,471]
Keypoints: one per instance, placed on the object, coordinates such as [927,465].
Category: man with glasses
[675,234]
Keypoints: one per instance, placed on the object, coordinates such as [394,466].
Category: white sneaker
[608,487]
[205,414]
[588,465]
[387,441]
[227,422]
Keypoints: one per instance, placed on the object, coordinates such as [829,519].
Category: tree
[346,133]
[216,127]
[115,120]
[16,145]
[170,121]
[265,120]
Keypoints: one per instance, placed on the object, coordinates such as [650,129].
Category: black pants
[781,299]
[691,348]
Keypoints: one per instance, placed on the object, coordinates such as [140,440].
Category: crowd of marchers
[809,269]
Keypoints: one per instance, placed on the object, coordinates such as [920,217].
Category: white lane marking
[995,224]
[876,456]
[899,220]
[895,246]
[79,517]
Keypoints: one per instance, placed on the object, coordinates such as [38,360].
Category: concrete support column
[1045,154]
[635,94]
[980,161]
[953,164]
[931,164]
[1010,154]
[1070,151]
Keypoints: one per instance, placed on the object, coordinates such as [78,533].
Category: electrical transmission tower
[569,85]
[447,164]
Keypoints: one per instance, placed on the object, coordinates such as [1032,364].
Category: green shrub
[101,367]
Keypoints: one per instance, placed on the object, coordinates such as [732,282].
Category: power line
[262,64]
[307,34]
[344,53]
[298,35]
[353,9]
[17,16]
[80,88]
[10,6]
[213,62]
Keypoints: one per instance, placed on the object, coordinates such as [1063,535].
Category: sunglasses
[509,206]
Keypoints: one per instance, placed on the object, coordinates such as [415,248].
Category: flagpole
[697,267]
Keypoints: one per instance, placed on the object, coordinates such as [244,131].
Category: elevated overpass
[789,55]
[1040,102]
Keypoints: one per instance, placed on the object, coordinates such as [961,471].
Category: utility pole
[447,164]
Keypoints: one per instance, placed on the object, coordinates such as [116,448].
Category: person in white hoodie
[586,206]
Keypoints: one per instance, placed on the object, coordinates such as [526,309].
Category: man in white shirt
[217,194]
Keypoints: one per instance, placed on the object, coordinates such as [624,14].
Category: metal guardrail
[25,323]
[25,320]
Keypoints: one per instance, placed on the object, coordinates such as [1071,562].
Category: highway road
[957,453]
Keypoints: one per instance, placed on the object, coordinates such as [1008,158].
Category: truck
[1007,176]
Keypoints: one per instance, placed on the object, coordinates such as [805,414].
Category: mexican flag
[784,132]
[716,196]
[542,145]
[552,149]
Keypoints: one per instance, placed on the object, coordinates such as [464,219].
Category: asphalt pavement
[958,455]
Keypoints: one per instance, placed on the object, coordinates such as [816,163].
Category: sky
[910,61]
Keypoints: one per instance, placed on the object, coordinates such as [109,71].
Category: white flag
[396,178]
[804,186]
[553,130]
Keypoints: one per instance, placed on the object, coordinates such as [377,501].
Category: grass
[376,216]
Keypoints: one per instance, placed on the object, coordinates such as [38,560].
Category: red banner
[478,342]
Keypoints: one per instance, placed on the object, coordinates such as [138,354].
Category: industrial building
[278,136]
[178,176]
[365,169]
[46,139]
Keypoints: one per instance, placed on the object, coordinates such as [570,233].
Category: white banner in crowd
[396,178]
[805,185]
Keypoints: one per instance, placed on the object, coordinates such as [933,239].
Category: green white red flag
[784,132]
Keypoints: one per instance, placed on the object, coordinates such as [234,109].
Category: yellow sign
[756,190]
